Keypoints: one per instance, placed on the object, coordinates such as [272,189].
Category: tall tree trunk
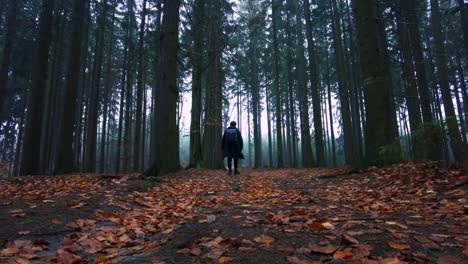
[254,81]
[8,42]
[212,156]
[464,23]
[463,88]
[195,128]
[65,155]
[127,145]
[314,80]
[458,148]
[107,92]
[91,129]
[31,148]
[276,71]
[140,89]
[289,61]
[375,80]
[166,152]
[411,93]
[306,146]
[330,113]
[342,86]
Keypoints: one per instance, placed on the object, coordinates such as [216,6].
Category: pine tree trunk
[31,148]
[127,137]
[306,144]
[65,155]
[91,129]
[107,92]
[458,148]
[195,128]
[330,113]
[314,76]
[166,152]
[212,154]
[140,89]
[342,86]
[8,42]
[254,81]
[464,23]
[375,80]
[276,71]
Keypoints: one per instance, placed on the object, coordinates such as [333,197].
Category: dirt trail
[406,213]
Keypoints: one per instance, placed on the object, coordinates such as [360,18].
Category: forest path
[410,212]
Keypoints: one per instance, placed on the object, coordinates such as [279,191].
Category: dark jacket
[233,149]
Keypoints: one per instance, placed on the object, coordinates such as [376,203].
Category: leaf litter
[407,213]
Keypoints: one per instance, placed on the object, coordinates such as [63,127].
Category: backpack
[231,135]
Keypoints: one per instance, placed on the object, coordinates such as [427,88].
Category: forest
[353,114]
[134,86]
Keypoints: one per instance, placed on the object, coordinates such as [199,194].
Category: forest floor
[406,213]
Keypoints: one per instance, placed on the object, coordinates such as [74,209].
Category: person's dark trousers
[236,161]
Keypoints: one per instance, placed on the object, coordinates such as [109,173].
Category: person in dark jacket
[232,145]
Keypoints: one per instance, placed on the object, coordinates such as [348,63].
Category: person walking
[232,145]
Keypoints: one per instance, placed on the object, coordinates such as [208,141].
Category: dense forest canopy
[150,85]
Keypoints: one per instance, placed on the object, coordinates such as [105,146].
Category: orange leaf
[56,221]
[345,255]
[264,239]
[223,260]
[397,245]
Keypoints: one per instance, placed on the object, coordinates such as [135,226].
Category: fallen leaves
[264,240]
[398,245]
[342,212]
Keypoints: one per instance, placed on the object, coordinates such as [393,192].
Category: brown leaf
[183,251]
[23,261]
[296,260]
[66,257]
[9,251]
[392,261]
[328,249]
[223,260]
[344,255]
[74,205]
[264,239]
[55,221]
[398,245]
[345,239]
[449,260]
[195,251]
[247,249]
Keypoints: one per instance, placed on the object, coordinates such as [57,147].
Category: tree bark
[140,89]
[458,148]
[314,80]
[91,129]
[212,155]
[8,42]
[342,86]
[31,148]
[375,80]
[65,154]
[166,150]
[276,71]
[195,128]
[306,145]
